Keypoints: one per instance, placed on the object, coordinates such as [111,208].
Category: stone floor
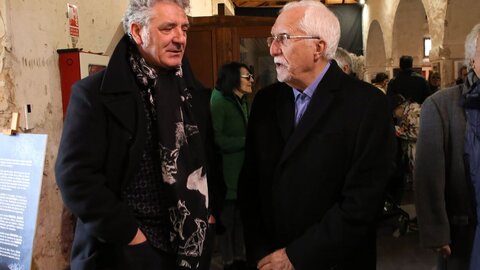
[394,251]
[402,252]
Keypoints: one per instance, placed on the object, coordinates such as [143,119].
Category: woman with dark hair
[230,111]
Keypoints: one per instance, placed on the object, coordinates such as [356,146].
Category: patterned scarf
[182,158]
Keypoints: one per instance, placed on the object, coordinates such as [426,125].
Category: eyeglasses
[282,38]
[247,76]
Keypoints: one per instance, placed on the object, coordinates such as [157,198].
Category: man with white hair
[319,149]
[344,60]
[135,152]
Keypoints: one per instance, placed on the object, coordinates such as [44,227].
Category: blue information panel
[21,169]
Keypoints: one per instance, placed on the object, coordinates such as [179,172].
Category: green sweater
[230,117]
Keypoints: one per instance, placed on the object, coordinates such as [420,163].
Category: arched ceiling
[409,28]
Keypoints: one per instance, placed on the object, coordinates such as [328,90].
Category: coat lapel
[120,94]
[285,110]
[321,100]
[118,88]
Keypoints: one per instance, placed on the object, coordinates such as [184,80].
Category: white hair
[471,42]
[343,58]
[139,11]
[318,20]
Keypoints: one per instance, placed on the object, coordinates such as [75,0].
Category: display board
[22,159]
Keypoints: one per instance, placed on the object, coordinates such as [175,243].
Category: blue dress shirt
[302,98]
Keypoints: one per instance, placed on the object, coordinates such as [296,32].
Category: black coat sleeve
[80,172]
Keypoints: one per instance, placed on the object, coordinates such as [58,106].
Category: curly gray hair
[138,11]
[471,43]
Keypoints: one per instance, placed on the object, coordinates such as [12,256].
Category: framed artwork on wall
[91,63]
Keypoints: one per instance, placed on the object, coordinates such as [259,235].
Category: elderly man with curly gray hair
[446,168]
[133,163]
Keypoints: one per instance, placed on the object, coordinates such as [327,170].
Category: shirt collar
[313,86]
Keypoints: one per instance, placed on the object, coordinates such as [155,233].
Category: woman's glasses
[247,76]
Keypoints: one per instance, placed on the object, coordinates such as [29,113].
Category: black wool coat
[317,189]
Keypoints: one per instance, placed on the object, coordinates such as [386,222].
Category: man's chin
[283,77]
[172,64]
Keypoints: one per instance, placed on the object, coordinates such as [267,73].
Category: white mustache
[280,61]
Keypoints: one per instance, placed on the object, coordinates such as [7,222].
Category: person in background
[230,110]
[136,158]
[408,83]
[407,118]
[344,60]
[318,156]
[396,186]
[434,81]
[381,81]
[462,75]
[446,171]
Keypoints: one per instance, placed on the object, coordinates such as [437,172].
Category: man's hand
[444,250]
[138,239]
[277,260]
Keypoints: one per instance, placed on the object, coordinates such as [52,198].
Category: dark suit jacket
[317,189]
[103,137]
[410,85]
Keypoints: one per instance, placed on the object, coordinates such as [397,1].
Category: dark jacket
[317,189]
[444,195]
[103,137]
[410,85]
[230,128]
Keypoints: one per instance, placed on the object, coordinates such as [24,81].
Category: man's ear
[135,31]
[320,49]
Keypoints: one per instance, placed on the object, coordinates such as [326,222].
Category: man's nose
[275,49]
[180,36]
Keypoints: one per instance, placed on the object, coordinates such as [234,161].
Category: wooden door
[213,41]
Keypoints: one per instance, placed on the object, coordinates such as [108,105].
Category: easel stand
[13,125]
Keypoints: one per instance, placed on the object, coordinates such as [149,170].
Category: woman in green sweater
[230,110]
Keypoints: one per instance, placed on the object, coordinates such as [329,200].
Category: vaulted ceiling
[277,4]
